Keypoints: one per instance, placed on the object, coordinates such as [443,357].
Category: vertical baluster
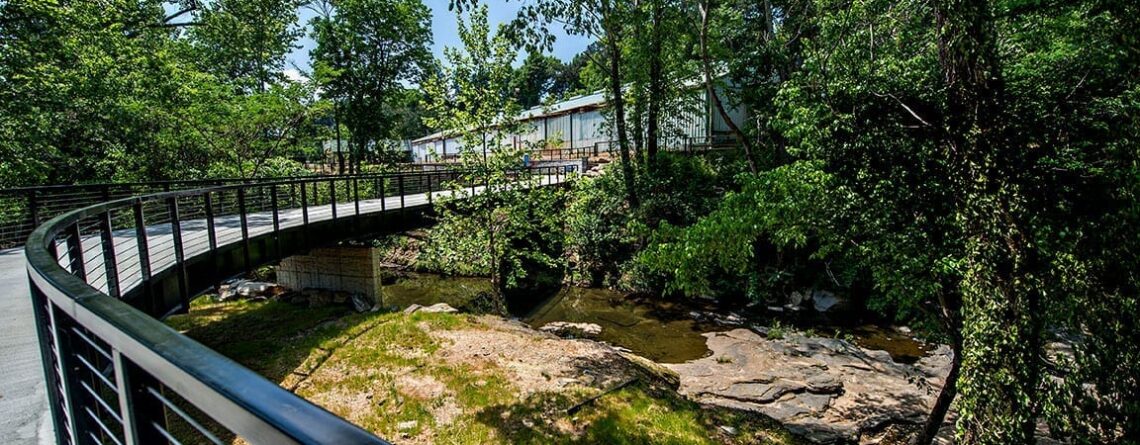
[401,187]
[304,213]
[304,205]
[244,229]
[143,246]
[138,409]
[356,194]
[276,220]
[211,231]
[75,252]
[33,211]
[107,241]
[383,197]
[332,196]
[66,375]
[44,332]
[180,265]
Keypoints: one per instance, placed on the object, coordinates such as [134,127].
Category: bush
[603,232]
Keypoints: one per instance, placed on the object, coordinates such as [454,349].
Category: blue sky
[443,28]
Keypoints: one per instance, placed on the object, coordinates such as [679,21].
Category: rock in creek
[824,389]
[572,330]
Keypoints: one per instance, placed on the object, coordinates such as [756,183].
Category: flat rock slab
[827,390]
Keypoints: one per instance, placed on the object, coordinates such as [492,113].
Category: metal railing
[24,208]
[573,151]
[104,275]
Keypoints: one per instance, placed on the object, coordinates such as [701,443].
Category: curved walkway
[24,416]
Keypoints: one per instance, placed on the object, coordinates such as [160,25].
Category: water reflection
[659,329]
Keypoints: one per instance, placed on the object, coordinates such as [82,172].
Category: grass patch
[384,372]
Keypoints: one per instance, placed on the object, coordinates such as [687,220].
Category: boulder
[823,300]
[438,308]
[361,303]
[824,389]
[572,330]
[235,289]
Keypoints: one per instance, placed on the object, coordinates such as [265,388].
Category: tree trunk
[706,68]
[613,36]
[656,86]
[945,398]
[336,122]
[1001,314]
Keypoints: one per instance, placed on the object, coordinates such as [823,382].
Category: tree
[606,21]
[243,42]
[366,51]
[117,91]
[536,79]
[499,222]
[948,156]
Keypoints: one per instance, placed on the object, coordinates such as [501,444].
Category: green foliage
[603,232]
[974,162]
[366,51]
[123,90]
[789,206]
[543,78]
[498,219]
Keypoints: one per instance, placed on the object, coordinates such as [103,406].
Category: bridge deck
[24,417]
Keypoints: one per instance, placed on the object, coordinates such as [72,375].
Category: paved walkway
[24,416]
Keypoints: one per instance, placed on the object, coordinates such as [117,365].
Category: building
[577,127]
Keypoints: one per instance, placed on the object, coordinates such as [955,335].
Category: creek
[662,330]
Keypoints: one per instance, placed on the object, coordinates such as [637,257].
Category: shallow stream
[659,329]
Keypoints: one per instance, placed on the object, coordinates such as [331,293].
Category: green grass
[358,366]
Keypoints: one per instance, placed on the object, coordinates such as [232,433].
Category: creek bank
[827,390]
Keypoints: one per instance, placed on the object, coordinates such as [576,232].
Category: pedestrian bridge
[103,276]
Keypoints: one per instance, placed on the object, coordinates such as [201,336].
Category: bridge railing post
[179,258]
[143,246]
[244,230]
[140,412]
[75,252]
[110,264]
[273,202]
[401,186]
[332,197]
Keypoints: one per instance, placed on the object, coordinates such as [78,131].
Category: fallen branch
[574,409]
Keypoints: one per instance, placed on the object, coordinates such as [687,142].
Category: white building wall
[690,118]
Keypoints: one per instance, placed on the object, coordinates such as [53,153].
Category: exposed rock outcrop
[572,330]
[827,390]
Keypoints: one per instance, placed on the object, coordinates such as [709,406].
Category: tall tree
[508,223]
[604,20]
[366,51]
[536,79]
[243,42]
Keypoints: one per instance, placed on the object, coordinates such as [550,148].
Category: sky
[443,28]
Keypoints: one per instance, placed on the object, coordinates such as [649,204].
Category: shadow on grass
[283,342]
[635,415]
[270,338]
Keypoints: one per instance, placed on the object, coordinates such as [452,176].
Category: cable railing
[103,276]
[24,208]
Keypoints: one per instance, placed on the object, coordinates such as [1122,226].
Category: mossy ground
[380,371]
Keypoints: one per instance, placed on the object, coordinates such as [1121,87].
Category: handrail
[24,208]
[116,374]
